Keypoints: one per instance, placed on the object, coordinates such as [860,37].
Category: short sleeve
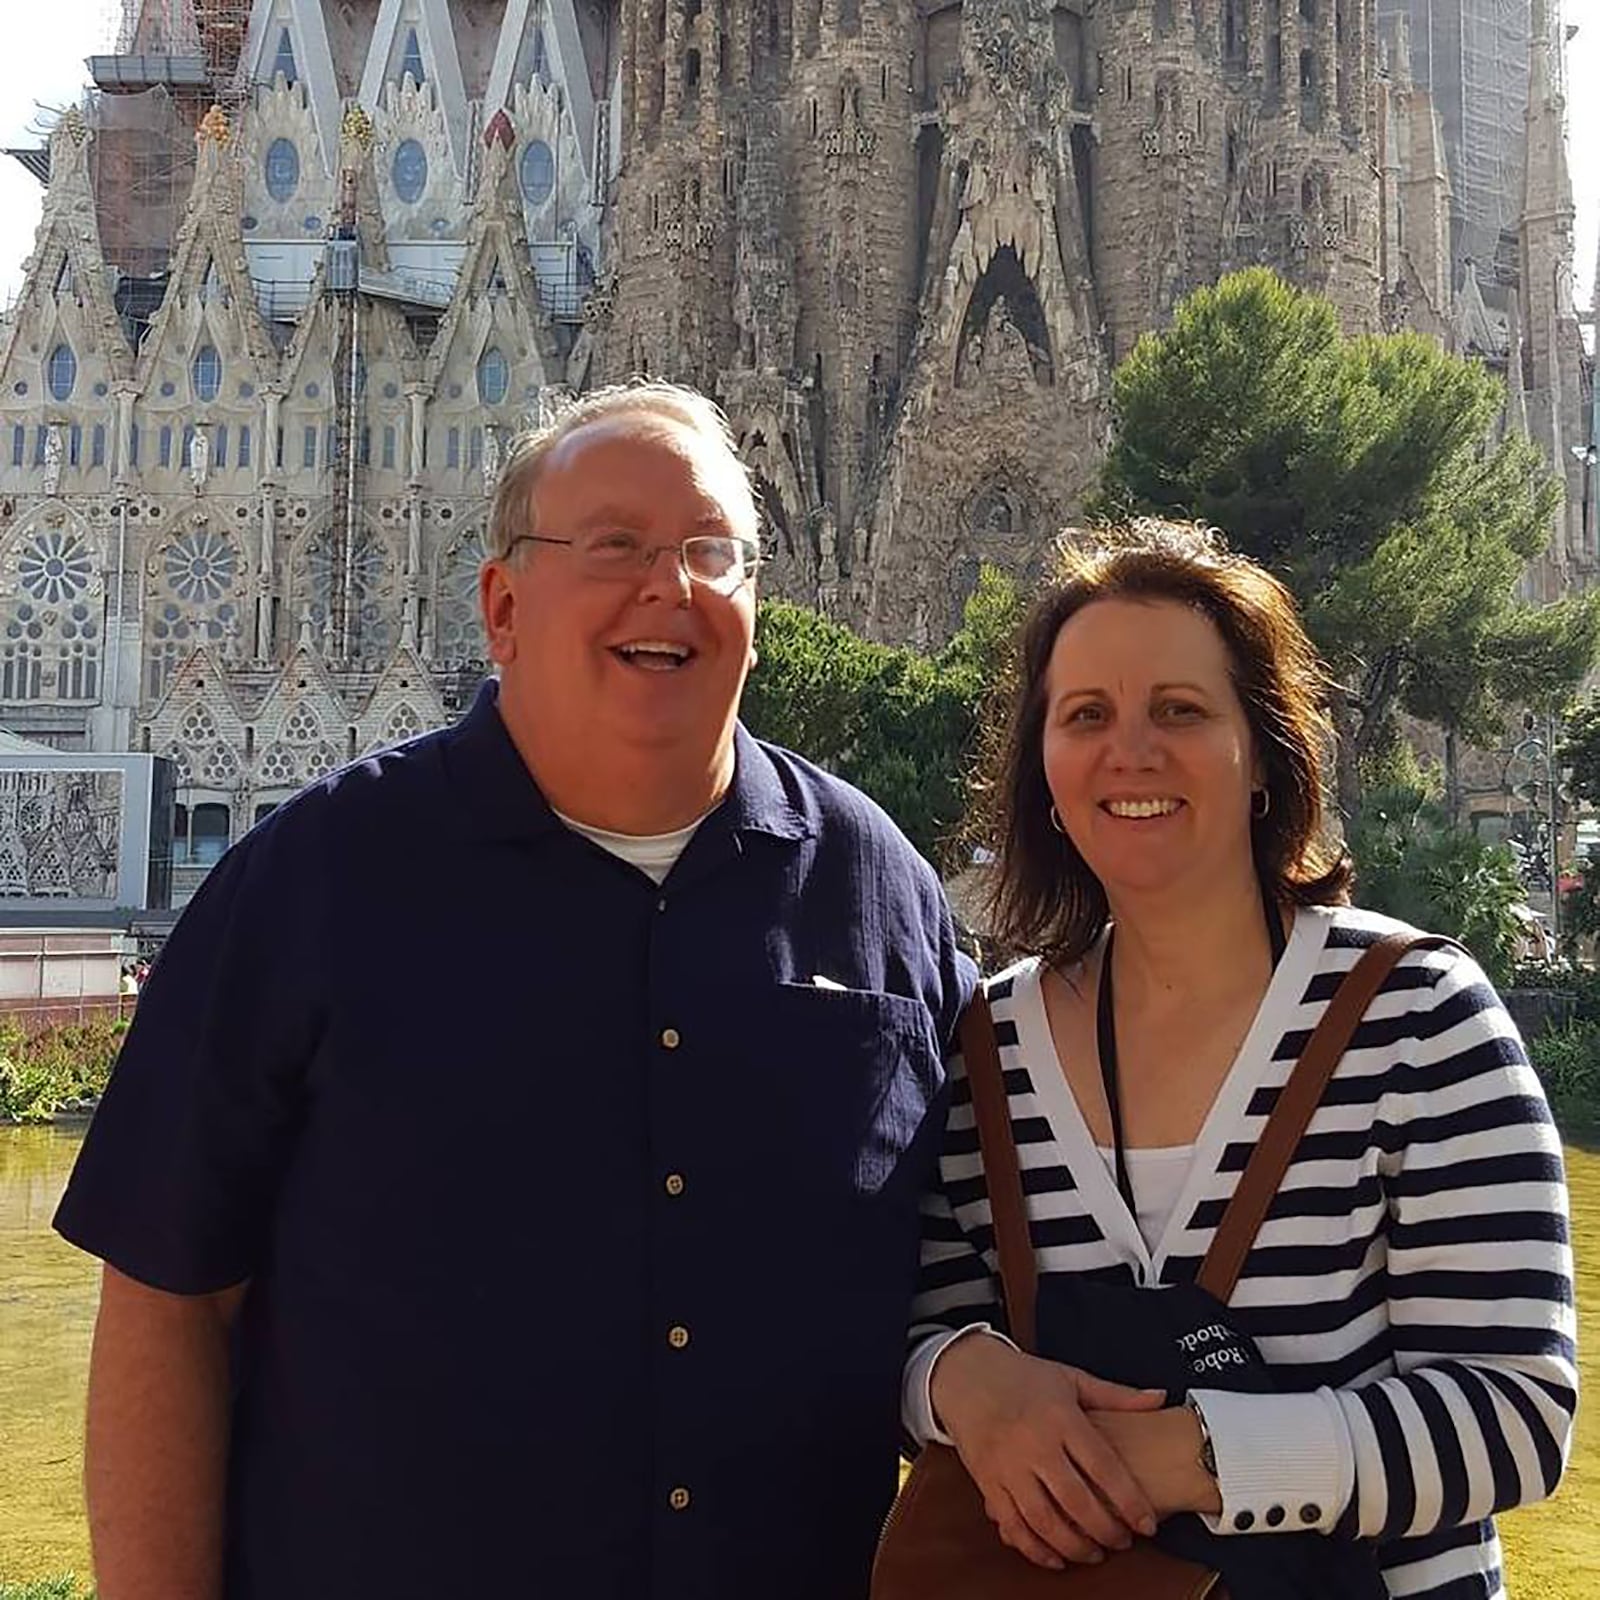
[177,1177]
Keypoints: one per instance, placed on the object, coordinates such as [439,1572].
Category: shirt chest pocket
[853,1074]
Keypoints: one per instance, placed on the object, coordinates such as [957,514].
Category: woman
[1159,821]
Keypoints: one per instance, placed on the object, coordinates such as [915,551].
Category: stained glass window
[410,171]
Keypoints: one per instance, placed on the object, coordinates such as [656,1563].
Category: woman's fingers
[1042,1525]
[1097,1459]
[1100,1394]
[1079,1505]
[1020,1537]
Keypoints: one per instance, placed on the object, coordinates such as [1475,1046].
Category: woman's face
[1147,750]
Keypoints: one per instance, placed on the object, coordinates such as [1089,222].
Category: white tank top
[1157,1177]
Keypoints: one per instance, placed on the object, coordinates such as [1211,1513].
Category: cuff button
[1275,1515]
[1245,1521]
[1310,1513]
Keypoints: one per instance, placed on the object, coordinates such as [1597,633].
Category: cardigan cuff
[916,1390]
[1284,1461]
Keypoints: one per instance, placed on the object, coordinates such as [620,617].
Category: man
[579,1266]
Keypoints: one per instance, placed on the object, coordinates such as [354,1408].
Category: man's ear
[497,600]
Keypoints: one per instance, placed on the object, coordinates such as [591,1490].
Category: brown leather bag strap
[1019,1272]
[1297,1103]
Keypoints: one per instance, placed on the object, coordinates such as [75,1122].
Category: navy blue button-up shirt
[580,1219]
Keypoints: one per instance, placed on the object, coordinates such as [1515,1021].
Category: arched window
[207,373]
[494,377]
[282,169]
[51,643]
[208,834]
[541,58]
[410,171]
[538,172]
[283,63]
[411,61]
[62,374]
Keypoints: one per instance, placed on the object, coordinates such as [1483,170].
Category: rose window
[321,761]
[301,726]
[198,728]
[25,623]
[221,767]
[55,566]
[404,723]
[79,622]
[373,623]
[201,566]
[460,636]
[179,758]
[278,766]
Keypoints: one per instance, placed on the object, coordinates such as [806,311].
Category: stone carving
[60,833]
[200,458]
[214,128]
[357,127]
[53,454]
[491,458]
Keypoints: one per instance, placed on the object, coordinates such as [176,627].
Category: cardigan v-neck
[1250,1066]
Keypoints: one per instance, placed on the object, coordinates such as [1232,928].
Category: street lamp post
[1544,742]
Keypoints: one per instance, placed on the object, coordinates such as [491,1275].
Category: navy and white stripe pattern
[1414,1269]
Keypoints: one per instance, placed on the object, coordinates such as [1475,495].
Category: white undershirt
[654,854]
[1156,1177]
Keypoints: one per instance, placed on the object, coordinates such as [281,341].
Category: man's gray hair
[512,512]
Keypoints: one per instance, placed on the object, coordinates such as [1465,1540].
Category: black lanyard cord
[1106,1040]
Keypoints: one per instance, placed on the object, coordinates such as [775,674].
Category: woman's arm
[1480,1300]
[1054,1488]
[1479,1311]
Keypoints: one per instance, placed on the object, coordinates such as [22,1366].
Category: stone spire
[1549,317]
[1547,209]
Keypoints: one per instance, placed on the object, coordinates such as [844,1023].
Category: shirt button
[670,1039]
[1245,1521]
[1275,1515]
[1310,1513]
[679,1499]
[661,904]
[674,1184]
[678,1336]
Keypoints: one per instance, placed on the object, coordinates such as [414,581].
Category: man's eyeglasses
[722,562]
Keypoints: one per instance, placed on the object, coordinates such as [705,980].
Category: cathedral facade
[305,266]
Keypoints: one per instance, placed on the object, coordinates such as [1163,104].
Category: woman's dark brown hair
[1045,900]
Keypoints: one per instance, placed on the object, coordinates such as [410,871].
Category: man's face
[647,657]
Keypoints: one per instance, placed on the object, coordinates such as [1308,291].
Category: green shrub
[1568,1063]
[1413,863]
[55,1067]
[62,1588]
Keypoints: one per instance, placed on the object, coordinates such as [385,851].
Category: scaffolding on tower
[174,59]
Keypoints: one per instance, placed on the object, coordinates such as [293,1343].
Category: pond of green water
[47,1300]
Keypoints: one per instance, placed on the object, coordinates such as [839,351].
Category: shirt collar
[493,779]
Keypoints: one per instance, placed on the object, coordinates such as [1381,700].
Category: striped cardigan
[1412,1283]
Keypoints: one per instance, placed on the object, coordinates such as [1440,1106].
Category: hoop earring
[1055,822]
[1265,797]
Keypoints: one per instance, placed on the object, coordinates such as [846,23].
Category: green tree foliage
[1580,750]
[1362,471]
[1413,863]
[902,726]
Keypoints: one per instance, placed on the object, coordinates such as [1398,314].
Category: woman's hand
[1051,1481]
[1162,1451]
